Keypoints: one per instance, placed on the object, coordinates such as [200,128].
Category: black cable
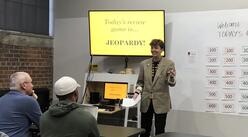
[126,62]
[87,78]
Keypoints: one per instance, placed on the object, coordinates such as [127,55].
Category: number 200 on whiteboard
[229,60]
[212,61]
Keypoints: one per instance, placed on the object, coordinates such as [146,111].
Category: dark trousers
[146,121]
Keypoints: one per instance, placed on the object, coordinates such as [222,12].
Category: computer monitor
[115,90]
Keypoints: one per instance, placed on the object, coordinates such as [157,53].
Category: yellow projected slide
[126,33]
[115,90]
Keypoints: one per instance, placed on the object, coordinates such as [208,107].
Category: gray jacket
[158,89]
[68,119]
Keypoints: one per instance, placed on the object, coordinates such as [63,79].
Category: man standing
[155,77]
[67,118]
[19,108]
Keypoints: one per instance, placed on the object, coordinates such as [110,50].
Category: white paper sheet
[129,102]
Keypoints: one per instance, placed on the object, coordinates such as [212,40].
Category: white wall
[71,55]
[79,8]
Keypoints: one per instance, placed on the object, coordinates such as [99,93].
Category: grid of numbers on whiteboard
[226,83]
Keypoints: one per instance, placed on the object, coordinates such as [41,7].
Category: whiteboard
[210,51]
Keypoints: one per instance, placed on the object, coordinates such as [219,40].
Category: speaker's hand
[137,91]
[136,94]
[171,72]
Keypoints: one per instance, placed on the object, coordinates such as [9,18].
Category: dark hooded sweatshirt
[68,119]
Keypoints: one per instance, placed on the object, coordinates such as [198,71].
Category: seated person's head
[66,89]
[21,81]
